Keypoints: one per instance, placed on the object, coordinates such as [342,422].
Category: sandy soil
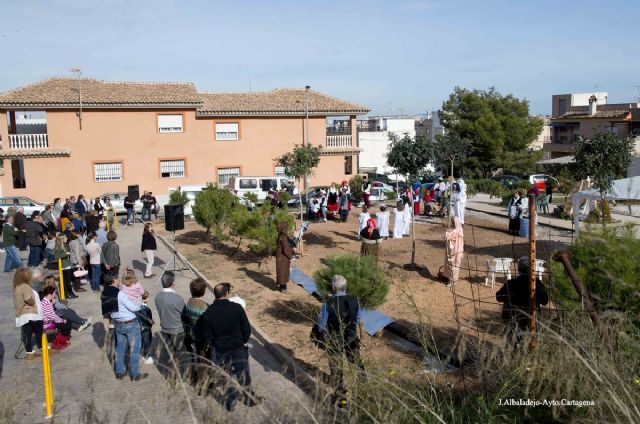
[417,299]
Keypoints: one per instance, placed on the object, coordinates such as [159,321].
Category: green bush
[486,185]
[178,197]
[365,279]
[523,186]
[355,184]
[391,195]
[212,209]
[252,197]
[284,197]
[259,226]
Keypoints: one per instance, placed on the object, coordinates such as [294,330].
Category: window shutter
[170,123]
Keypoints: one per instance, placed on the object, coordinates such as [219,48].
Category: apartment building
[373,140]
[64,136]
[584,114]
[429,125]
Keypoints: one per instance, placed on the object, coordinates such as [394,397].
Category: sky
[395,57]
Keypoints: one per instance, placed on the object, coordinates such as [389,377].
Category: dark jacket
[9,235]
[225,325]
[145,317]
[111,254]
[20,221]
[342,324]
[515,296]
[148,242]
[375,234]
[109,300]
[128,203]
[92,223]
[80,207]
[34,233]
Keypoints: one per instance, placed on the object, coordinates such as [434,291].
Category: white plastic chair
[501,265]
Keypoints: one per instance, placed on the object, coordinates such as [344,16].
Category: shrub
[486,185]
[259,226]
[365,279]
[355,184]
[391,195]
[523,186]
[212,209]
[284,197]
[252,197]
[178,197]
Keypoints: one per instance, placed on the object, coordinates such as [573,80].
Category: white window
[170,123]
[280,171]
[172,168]
[228,131]
[225,174]
[107,171]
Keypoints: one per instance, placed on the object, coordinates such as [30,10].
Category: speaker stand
[133,222]
[174,260]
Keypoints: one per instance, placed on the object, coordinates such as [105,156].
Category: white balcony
[338,141]
[28,141]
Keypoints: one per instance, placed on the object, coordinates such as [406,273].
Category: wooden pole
[61,288]
[532,269]
[46,370]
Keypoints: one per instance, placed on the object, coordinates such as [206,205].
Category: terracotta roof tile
[584,114]
[60,92]
[33,153]
[282,101]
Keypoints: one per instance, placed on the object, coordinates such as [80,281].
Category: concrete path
[84,385]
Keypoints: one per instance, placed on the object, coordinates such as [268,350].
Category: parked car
[507,180]
[117,201]
[383,185]
[192,190]
[539,181]
[379,194]
[29,205]
[260,185]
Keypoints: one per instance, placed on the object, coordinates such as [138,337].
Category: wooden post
[46,370]
[532,273]
[61,288]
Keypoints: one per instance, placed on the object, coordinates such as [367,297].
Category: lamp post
[306,123]
[78,72]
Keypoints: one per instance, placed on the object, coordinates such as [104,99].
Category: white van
[192,190]
[259,185]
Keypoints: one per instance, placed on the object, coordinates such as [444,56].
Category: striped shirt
[48,313]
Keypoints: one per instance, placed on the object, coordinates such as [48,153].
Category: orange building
[64,136]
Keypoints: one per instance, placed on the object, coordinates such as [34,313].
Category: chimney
[593,103]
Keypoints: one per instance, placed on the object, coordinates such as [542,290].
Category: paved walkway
[84,385]
[484,203]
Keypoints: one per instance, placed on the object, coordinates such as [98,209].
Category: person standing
[284,254]
[127,333]
[98,207]
[406,231]
[363,218]
[61,254]
[398,220]
[20,222]
[515,207]
[57,210]
[171,310]
[370,239]
[382,221]
[548,188]
[459,198]
[343,204]
[149,248]
[48,219]
[225,326]
[339,325]
[95,252]
[109,213]
[129,203]
[154,205]
[111,253]
[332,200]
[34,233]
[323,205]
[9,239]
[147,201]
[366,191]
[77,256]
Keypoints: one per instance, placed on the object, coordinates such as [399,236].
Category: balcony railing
[338,141]
[345,130]
[28,141]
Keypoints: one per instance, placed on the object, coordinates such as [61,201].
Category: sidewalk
[483,203]
[84,385]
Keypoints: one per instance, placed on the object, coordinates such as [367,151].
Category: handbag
[80,272]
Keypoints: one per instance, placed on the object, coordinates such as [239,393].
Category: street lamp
[306,122]
[78,72]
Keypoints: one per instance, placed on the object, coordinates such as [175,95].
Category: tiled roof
[602,114]
[282,101]
[339,151]
[63,92]
[33,153]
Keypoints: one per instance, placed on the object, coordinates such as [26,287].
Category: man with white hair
[515,297]
[339,326]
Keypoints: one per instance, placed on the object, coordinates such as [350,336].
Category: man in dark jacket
[339,326]
[20,222]
[225,325]
[34,232]
[515,297]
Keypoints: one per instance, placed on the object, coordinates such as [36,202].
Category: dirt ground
[416,299]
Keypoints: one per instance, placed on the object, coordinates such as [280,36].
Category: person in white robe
[398,224]
[382,221]
[362,220]
[459,200]
[407,218]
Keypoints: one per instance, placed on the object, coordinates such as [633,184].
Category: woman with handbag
[60,252]
[78,253]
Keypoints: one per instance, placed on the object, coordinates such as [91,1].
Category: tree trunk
[413,232]
[301,214]
[604,218]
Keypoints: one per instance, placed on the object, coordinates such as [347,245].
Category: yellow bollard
[46,369]
[61,288]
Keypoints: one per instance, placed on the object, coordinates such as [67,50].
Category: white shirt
[94,250]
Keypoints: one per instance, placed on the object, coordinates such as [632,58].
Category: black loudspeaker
[173,217]
[133,192]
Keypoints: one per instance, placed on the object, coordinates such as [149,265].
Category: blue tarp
[373,320]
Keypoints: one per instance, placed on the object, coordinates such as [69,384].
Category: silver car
[117,201]
[29,205]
